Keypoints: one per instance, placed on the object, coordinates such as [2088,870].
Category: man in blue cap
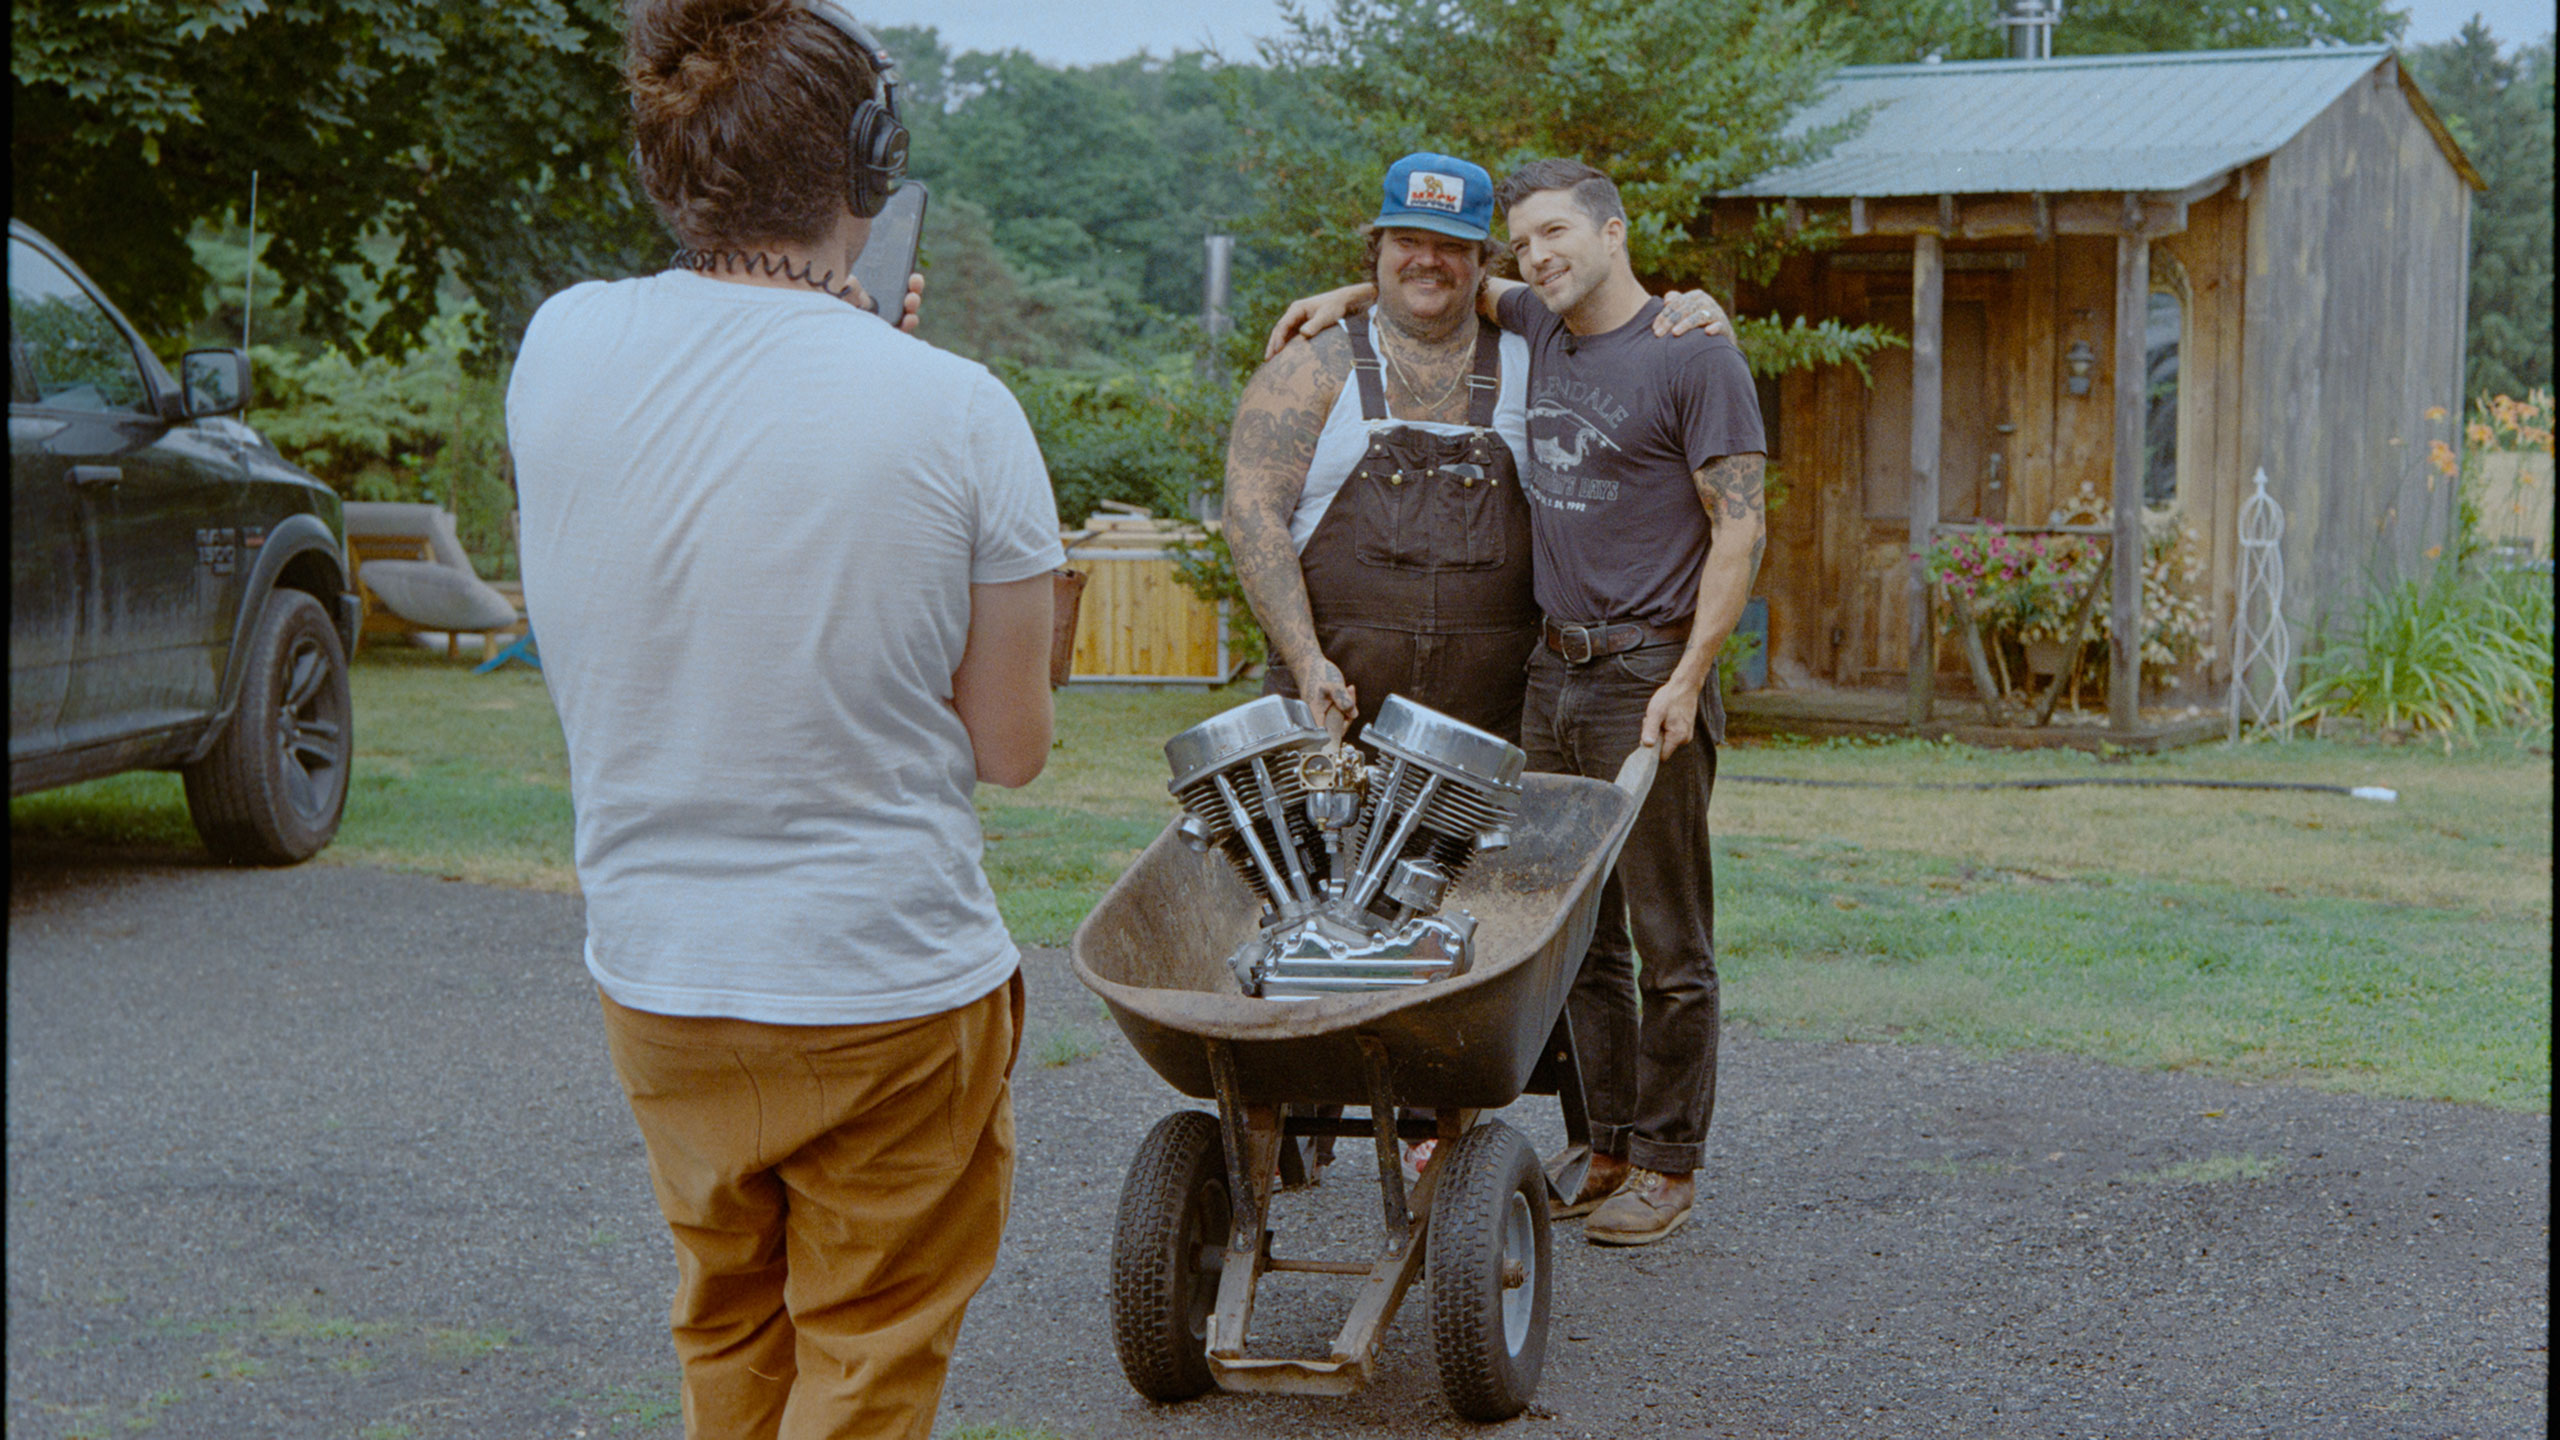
[1378,526]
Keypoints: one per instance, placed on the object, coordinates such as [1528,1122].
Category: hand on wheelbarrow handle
[1636,776]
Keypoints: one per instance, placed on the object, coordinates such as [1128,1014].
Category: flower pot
[2046,657]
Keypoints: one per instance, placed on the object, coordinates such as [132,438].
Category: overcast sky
[1092,31]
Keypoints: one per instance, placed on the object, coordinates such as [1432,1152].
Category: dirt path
[332,1153]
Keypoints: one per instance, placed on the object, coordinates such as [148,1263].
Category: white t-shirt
[751,518]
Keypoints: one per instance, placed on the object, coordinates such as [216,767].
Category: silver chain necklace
[1412,390]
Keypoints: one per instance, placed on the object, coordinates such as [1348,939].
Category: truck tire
[272,788]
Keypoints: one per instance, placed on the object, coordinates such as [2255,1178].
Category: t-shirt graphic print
[1618,424]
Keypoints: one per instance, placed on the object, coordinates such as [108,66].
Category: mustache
[1421,268]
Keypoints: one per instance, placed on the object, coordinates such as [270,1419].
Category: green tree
[2499,107]
[982,303]
[1676,99]
[1891,32]
[484,139]
[1102,178]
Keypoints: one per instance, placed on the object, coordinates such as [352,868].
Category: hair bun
[699,49]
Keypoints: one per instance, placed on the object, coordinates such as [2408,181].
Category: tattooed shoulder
[1731,485]
[1308,372]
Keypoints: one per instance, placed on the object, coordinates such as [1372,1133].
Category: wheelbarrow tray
[1155,951]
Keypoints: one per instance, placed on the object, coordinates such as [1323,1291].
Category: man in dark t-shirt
[1646,461]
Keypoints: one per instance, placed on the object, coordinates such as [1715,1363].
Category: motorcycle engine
[1353,858]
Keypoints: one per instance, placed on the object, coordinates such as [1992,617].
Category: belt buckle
[1571,634]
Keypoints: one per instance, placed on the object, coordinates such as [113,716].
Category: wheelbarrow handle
[1636,776]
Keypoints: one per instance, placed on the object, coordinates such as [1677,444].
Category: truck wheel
[1165,1264]
[1489,1273]
[271,789]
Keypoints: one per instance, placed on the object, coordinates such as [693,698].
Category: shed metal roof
[2081,122]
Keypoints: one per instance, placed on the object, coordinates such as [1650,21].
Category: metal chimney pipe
[2030,25]
[1213,289]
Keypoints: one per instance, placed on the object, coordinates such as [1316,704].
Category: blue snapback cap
[1441,193]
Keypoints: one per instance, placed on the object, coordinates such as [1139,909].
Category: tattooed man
[1379,526]
[1644,483]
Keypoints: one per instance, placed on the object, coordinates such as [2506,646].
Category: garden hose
[2360,792]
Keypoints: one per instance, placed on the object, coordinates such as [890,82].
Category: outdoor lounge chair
[416,579]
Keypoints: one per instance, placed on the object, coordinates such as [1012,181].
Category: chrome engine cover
[1353,859]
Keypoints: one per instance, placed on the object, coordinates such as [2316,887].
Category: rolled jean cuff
[1611,1139]
[1664,1159]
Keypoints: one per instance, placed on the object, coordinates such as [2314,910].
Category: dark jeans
[1472,676]
[1651,1080]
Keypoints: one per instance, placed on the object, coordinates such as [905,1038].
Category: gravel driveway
[337,1153]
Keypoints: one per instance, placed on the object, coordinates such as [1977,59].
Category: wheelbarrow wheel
[1165,1264]
[1488,1268]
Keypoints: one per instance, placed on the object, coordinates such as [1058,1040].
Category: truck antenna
[249,296]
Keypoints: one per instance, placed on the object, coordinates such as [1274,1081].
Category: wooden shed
[2258,258]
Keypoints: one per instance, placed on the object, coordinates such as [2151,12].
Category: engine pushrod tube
[1372,876]
[1244,827]
[1288,840]
[1378,799]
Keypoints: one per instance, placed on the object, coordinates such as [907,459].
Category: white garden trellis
[2260,643]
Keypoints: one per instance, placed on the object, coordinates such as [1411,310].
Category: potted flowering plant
[2022,591]
[2175,630]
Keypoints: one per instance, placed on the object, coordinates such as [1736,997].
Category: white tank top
[1346,437]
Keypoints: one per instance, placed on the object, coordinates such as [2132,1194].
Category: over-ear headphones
[876,157]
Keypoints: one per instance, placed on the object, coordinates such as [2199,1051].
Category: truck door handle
[96,475]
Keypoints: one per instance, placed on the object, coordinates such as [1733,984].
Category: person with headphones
[791,567]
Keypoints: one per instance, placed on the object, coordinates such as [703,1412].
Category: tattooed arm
[1729,486]
[1269,448]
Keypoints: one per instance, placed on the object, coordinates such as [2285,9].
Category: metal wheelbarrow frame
[1195,1238]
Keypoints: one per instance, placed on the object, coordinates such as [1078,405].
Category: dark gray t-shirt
[1618,425]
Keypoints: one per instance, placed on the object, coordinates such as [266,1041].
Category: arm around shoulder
[1002,686]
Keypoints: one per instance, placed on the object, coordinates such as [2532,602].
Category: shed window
[2165,321]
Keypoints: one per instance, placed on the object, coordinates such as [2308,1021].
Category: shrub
[2441,654]
[1154,437]
[424,428]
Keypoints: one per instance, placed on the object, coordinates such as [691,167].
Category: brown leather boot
[1602,1180]
[1649,1206]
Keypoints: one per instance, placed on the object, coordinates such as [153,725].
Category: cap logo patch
[1431,190]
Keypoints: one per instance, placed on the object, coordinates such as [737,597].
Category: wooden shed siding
[2359,239]
[2212,253]
[2084,432]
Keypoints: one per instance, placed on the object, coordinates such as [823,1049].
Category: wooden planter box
[1140,625]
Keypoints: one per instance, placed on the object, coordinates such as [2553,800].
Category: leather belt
[1582,644]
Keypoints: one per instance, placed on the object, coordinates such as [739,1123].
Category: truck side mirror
[215,382]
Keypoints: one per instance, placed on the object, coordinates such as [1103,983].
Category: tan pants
[836,1193]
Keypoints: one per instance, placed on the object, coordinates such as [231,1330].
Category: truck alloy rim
[308,739]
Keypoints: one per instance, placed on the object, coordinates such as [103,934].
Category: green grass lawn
[2400,949]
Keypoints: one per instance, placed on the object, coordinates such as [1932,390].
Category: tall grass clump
[2441,655]
[2469,645]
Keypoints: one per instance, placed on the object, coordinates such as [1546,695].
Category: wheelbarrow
[1194,1235]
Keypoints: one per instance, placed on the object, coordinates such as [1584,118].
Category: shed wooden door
[1971,463]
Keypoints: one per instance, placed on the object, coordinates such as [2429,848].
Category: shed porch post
[1928,379]
[2124,644]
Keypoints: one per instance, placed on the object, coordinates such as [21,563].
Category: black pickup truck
[178,593]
